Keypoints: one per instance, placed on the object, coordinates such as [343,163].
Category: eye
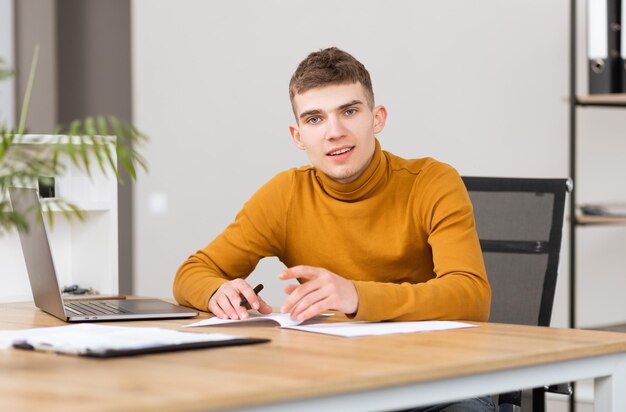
[350,112]
[313,120]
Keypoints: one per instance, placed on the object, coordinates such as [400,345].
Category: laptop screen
[37,253]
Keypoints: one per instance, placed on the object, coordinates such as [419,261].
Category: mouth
[340,151]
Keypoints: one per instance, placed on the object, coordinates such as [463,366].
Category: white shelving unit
[85,252]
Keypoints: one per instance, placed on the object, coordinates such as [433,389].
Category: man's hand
[226,300]
[323,291]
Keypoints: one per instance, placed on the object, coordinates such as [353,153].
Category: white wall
[35,24]
[7,53]
[475,84]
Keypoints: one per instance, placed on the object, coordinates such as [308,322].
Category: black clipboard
[116,353]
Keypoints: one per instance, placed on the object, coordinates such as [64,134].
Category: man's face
[337,128]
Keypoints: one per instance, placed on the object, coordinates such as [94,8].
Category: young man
[365,232]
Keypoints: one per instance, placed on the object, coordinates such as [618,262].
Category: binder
[622,68]
[605,61]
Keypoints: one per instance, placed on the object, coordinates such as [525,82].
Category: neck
[361,186]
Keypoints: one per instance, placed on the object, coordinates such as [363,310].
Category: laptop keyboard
[94,307]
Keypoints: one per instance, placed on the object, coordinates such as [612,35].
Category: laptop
[45,286]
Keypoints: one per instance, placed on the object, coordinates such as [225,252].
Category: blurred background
[480,85]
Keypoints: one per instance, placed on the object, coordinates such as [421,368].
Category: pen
[256,289]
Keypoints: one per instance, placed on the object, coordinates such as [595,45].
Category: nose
[334,128]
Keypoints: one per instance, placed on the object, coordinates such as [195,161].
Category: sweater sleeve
[258,231]
[459,288]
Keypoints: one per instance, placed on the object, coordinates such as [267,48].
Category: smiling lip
[340,151]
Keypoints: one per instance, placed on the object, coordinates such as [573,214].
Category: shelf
[605,100]
[611,328]
[85,252]
[600,220]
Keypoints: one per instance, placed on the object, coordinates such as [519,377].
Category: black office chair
[520,224]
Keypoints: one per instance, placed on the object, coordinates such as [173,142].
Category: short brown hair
[328,67]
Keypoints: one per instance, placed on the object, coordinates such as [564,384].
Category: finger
[232,309]
[294,291]
[215,307]
[298,293]
[264,308]
[302,271]
[313,310]
[216,310]
[234,297]
[225,305]
[290,288]
[252,298]
[307,302]
[293,297]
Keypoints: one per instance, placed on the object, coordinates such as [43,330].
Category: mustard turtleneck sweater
[403,232]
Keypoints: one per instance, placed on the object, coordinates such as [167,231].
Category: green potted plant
[24,160]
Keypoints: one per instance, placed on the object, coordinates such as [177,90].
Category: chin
[346,177]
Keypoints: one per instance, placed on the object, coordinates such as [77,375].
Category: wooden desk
[306,371]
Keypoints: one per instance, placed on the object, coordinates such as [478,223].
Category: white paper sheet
[346,329]
[7,337]
[352,329]
[282,319]
[83,337]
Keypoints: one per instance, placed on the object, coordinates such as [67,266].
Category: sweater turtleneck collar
[374,175]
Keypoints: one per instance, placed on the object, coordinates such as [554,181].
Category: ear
[295,135]
[380,118]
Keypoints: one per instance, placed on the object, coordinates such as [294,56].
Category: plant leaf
[28,92]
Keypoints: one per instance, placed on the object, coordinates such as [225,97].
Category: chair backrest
[520,225]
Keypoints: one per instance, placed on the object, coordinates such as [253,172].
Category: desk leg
[609,393]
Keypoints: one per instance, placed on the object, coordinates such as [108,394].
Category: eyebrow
[318,111]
